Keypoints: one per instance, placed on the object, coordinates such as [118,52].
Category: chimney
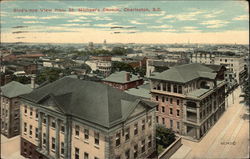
[127,76]
[7,79]
[33,84]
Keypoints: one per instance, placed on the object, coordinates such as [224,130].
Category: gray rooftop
[197,93]
[95,102]
[120,77]
[185,73]
[15,89]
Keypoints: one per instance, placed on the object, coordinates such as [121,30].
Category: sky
[154,22]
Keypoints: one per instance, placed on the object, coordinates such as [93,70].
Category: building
[72,118]
[123,80]
[10,107]
[191,98]
[203,57]
[235,64]
[101,63]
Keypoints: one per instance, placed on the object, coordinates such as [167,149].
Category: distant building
[10,107]
[83,119]
[191,98]
[101,63]
[202,57]
[235,65]
[123,80]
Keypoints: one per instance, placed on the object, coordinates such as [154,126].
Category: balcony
[191,109]
[192,117]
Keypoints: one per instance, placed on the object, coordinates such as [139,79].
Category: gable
[140,108]
[50,103]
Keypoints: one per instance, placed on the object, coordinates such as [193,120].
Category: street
[228,138]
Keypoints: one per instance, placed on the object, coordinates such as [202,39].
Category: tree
[246,92]
[21,79]
[164,136]
[50,74]
[121,66]
[140,71]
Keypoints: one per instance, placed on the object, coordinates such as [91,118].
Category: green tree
[121,66]
[246,92]
[140,71]
[21,79]
[49,74]
[164,136]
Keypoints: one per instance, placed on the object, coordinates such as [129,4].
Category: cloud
[189,27]
[26,17]
[51,17]
[107,25]
[242,17]
[213,14]
[75,20]
[168,17]
[33,22]
[74,24]
[161,26]
[169,30]
[136,22]
[214,23]
[102,18]
[162,13]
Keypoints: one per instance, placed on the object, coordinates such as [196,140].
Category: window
[163,120]
[225,60]
[36,114]
[62,148]
[77,132]
[135,129]
[53,124]
[96,158]
[31,112]
[157,108]
[143,146]
[86,155]
[143,124]
[149,141]
[127,134]
[175,88]
[180,89]
[136,151]
[118,139]
[171,101]
[157,119]
[36,133]
[62,128]
[178,112]
[44,139]
[30,130]
[171,111]
[164,86]
[76,153]
[86,134]
[171,123]
[127,154]
[178,102]
[158,87]
[25,109]
[169,87]
[25,127]
[156,98]
[163,109]
[162,99]
[44,120]
[96,138]
[53,145]
[118,157]
[149,121]
[178,125]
